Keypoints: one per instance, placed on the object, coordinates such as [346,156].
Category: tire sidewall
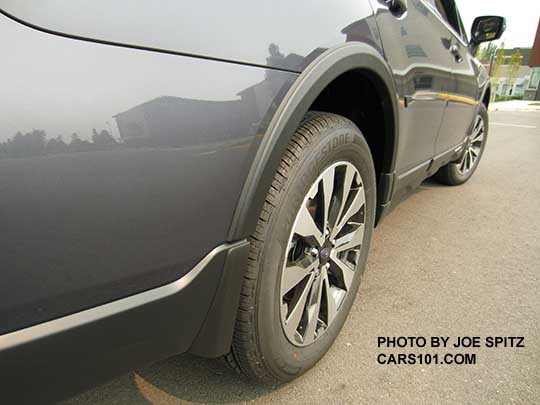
[339,143]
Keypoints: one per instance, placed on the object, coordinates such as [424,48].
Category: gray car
[205,177]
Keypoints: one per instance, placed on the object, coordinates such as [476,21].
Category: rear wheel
[308,252]
[456,173]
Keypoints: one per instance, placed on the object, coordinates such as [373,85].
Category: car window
[439,8]
[452,14]
[447,9]
[461,26]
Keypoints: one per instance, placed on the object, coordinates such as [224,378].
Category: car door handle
[396,7]
[454,50]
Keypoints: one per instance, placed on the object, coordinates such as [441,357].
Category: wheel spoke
[328,190]
[356,205]
[306,227]
[347,185]
[294,274]
[293,320]
[478,138]
[346,272]
[313,309]
[351,240]
[478,127]
[463,161]
[331,304]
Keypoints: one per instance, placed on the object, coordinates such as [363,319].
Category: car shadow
[180,379]
[431,183]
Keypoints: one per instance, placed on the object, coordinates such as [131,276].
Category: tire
[456,173]
[261,348]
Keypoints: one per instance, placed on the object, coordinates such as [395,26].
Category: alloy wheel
[473,147]
[322,254]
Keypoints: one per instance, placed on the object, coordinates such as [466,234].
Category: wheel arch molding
[329,66]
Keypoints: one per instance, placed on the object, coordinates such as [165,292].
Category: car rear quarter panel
[119,168]
[241,31]
[127,132]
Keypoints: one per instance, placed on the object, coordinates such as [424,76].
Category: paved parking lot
[452,262]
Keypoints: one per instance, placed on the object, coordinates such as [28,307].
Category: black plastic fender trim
[215,336]
[313,80]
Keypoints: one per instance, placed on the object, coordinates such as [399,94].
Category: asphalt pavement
[449,261]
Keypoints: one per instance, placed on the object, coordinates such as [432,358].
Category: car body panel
[438,96]
[134,205]
[207,29]
[464,98]
[421,64]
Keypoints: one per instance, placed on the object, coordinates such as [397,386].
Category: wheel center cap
[325,253]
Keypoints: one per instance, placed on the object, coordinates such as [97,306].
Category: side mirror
[487,28]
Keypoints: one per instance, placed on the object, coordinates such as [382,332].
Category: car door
[417,48]
[464,93]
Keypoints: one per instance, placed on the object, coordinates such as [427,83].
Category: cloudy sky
[522,17]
